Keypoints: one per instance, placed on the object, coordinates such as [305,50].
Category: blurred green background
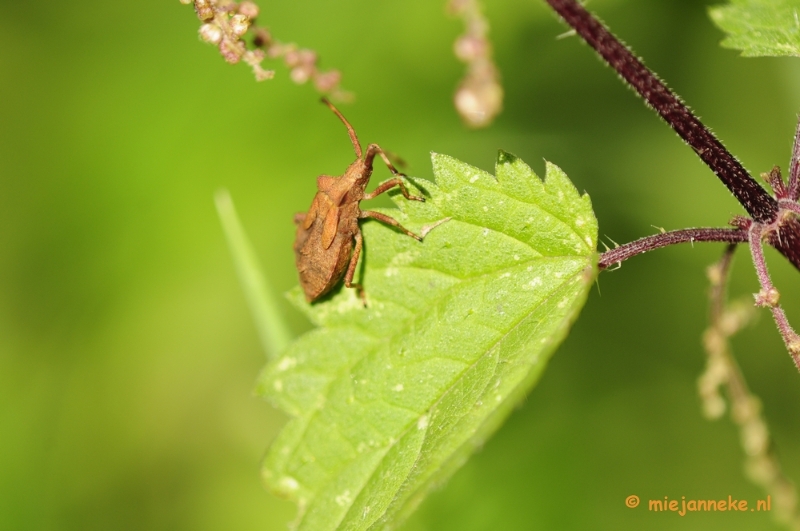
[127,354]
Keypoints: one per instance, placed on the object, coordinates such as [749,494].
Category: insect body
[328,240]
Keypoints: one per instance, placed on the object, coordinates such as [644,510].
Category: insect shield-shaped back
[328,240]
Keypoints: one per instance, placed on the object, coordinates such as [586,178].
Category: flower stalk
[722,372]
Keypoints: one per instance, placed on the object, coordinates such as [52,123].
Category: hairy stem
[787,240]
[790,205]
[769,296]
[649,243]
[758,203]
[794,166]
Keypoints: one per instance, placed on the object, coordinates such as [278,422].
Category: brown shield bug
[328,240]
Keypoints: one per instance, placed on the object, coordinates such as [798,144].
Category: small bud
[228,6]
[761,470]
[300,74]
[746,409]
[327,81]
[239,25]
[713,340]
[292,58]
[186,2]
[478,101]
[308,57]
[457,7]
[210,33]
[735,318]
[775,181]
[713,407]
[740,222]
[254,58]
[755,438]
[767,298]
[714,274]
[262,38]
[204,9]
[248,9]
[231,51]
[275,50]
[262,74]
[468,48]
[794,347]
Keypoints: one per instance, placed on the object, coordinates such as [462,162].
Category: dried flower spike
[227,23]
[211,33]
[722,371]
[239,25]
[204,9]
[479,96]
[248,9]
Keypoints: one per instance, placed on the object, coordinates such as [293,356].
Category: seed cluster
[229,25]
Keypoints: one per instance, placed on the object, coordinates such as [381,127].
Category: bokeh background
[127,354]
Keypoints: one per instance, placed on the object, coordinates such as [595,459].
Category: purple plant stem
[794,166]
[787,240]
[790,205]
[649,243]
[758,203]
[790,337]
[754,238]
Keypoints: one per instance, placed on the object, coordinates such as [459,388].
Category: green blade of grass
[272,329]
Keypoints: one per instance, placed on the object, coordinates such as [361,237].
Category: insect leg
[388,185]
[299,218]
[389,221]
[351,268]
[375,149]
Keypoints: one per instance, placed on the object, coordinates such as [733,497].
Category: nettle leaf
[760,27]
[388,401]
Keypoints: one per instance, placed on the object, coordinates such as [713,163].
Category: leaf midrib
[468,367]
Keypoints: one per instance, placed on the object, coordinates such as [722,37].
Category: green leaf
[388,401]
[760,27]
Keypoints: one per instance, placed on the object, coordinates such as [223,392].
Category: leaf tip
[504,157]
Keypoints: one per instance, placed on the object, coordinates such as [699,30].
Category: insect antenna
[350,130]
